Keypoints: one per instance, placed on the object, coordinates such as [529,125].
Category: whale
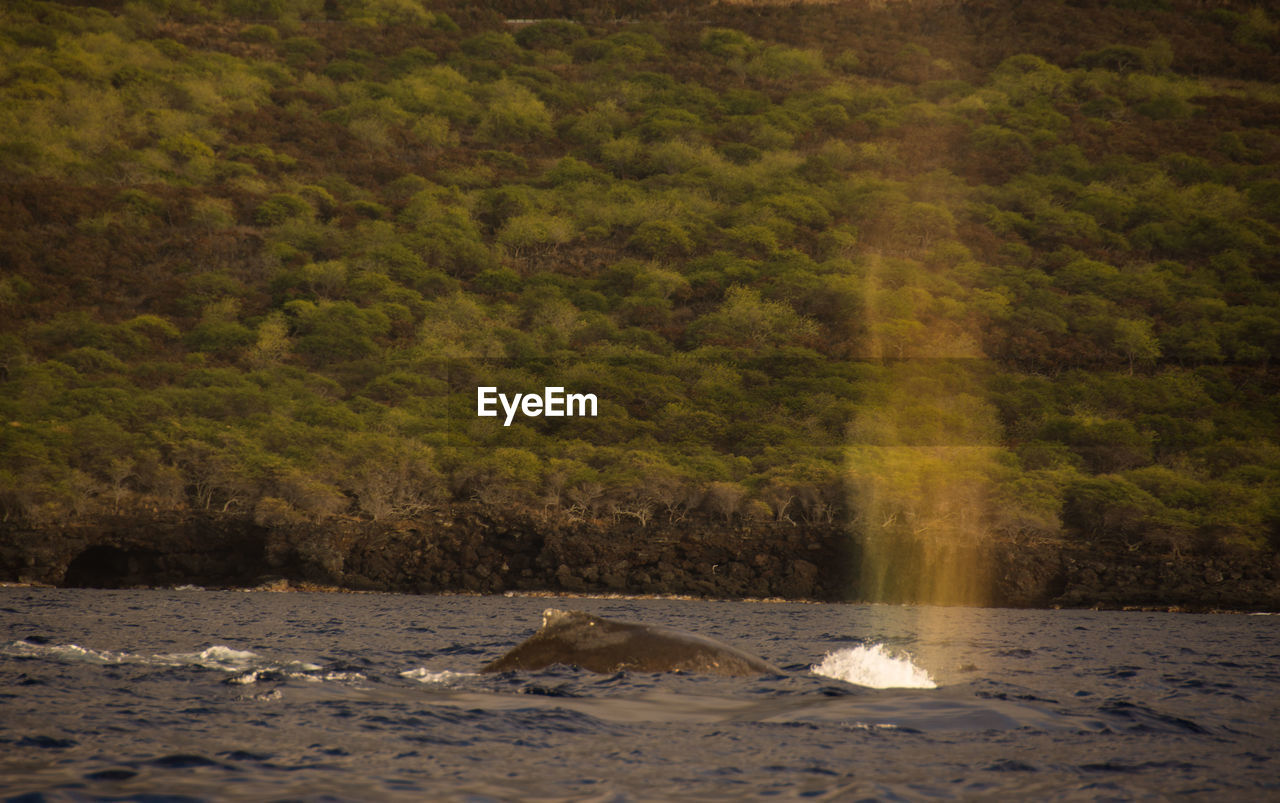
[597,644]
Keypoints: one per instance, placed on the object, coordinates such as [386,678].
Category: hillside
[937,273]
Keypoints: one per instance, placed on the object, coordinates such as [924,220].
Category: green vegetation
[257,255]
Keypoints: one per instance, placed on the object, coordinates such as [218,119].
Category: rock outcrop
[471,550]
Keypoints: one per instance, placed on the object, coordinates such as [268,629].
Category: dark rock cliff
[466,549]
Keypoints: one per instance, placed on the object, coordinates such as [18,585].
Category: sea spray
[424,675]
[220,657]
[873,666]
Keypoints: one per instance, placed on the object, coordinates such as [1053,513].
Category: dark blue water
[137,695]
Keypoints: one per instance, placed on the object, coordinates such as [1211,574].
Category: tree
[514,114]
[393,479]
[725,498]
[1136,340]
[746,320]
[273,344]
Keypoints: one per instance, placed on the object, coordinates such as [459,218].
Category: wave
[66,652]
[865,665]
[873,666]
[247,666]
[424,675]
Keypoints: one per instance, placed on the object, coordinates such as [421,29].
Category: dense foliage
[931,267]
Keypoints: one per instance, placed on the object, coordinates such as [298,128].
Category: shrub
[549,34]
[745,320]
[514,114]
[728,44]
[780,63]
[659,238]
[254,9]
[534,233]
[1108,507]
[279,208]
[224,339]
[725,498]
[259,33]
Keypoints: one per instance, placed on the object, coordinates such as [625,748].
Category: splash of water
[215,657]
[873,666]
[218,657]
[66,652]
[424,675]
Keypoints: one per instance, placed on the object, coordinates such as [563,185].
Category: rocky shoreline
[467,549]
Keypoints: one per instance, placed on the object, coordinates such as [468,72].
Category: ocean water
[223,695]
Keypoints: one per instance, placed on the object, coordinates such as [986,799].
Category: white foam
[245,663]
[343,677]
[424,675]
[873,666]
[68,652]
[215,657]
[245,679]
[870,726]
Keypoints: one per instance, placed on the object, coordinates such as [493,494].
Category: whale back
[577,638]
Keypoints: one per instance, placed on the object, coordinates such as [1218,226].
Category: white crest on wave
[67,652]
[215,657]
[424,675]
[218,657]
[873,666]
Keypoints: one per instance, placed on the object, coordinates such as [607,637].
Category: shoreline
[469,550]
[311,589]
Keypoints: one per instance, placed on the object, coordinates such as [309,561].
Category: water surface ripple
[219,695]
